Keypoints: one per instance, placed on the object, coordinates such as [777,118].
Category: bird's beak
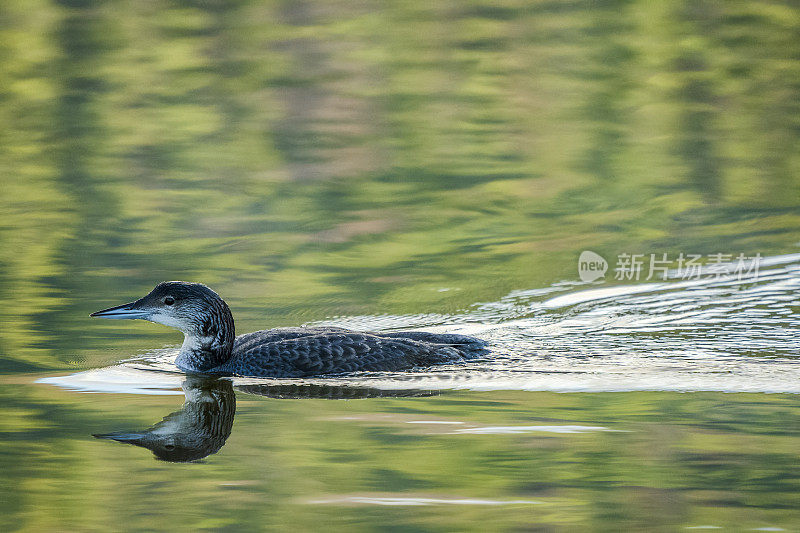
[123,311]
[128,438]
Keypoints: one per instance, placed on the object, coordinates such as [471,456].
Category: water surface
[405,165]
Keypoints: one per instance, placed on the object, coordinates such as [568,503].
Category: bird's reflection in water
[196,430]
[201,427]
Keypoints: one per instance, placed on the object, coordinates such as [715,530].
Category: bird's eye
[169,447]
[169,300]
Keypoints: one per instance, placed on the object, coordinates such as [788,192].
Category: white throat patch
[167,320]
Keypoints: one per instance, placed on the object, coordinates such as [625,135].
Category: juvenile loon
[210,345]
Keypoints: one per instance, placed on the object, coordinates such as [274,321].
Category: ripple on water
[723,334]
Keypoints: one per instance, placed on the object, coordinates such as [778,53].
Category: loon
[211,347]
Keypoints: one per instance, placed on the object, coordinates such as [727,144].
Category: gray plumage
[210,345]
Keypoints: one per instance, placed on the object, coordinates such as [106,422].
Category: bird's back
[300,352]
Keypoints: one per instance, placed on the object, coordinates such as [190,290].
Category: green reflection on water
[318,159]
[310,160]
[670,460]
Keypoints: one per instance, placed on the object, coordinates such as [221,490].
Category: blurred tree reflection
[311,159]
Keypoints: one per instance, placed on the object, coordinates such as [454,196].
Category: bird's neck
[209,343]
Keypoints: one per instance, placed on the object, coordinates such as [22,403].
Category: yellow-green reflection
[313,159]
[665,460]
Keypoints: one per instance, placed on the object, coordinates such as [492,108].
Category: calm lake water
[391,166]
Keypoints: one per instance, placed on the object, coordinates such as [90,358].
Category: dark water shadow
[203,424]
[196,430]
[329,392]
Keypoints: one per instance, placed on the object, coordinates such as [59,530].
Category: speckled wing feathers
[298,352]
[250,340]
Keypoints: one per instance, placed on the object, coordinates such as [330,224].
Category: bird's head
[197,311]
[178,304]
